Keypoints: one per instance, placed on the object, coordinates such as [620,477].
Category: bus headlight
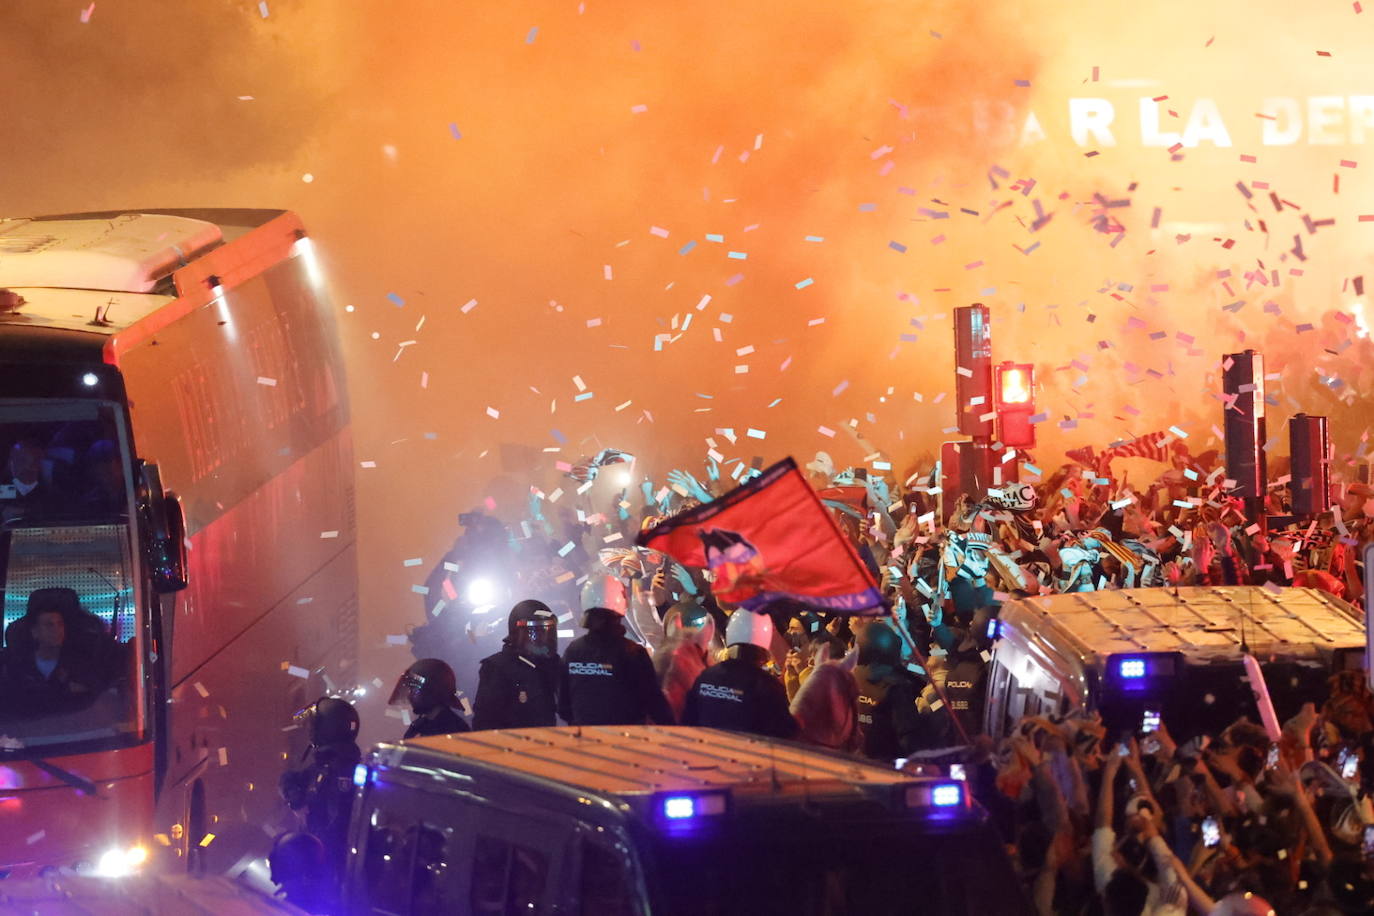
[121,861]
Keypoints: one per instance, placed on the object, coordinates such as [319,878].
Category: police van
[639,820]
[1138,654]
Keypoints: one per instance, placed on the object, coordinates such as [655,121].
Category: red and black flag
[768,540]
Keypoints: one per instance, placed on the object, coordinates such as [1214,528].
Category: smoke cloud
[836,178]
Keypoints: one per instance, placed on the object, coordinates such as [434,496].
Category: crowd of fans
[1097,822]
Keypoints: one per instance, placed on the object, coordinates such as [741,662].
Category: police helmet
[688,620]
[605,590]
[533,626]
[879,645]
[330,720]
[427,683]
[746,627]
[295,856]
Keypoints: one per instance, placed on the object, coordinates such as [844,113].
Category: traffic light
[1016,404]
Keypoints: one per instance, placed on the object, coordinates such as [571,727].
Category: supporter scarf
[768,540]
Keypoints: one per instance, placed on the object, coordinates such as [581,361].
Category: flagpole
[939,690]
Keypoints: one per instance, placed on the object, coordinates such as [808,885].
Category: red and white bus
[177,551]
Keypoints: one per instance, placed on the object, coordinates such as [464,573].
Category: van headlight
[121,861]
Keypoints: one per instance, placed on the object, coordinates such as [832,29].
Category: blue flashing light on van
[679,807]
[949,795]
[682,810]
[1131,668]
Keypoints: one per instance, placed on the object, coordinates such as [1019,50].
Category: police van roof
[120,262]
[1197,621]
[640,760]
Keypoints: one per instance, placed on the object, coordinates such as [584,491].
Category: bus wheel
[195,830]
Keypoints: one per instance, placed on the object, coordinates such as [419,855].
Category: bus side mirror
[165,543]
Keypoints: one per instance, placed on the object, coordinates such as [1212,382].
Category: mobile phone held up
[1211,832]
[1149,721]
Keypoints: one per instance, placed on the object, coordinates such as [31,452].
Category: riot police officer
[518,686]
[323,786]
[431,688]
[892,725]
[738,693]
[608,679]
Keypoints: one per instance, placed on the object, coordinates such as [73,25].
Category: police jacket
[610,680]
[891,724]
[445,722]
[514,691]
[324,789]
[740,696]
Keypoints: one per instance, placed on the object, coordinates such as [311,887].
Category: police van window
[387,865]
[606,884]
[406,866]
[507,878]
[1000,715]
[432,890]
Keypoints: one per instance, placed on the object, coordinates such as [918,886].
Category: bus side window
[507,878]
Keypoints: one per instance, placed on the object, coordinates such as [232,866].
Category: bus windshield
[70,640]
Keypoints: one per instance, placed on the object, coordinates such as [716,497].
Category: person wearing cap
[518,686]
[608,679]
[431,689]
[738,694]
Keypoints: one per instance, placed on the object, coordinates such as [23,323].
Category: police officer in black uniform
[323,786]
[892,726]
[738,694]
[431,689]
[518,686]
[608,679]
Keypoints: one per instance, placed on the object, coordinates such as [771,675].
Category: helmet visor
[406,684]
[540,634]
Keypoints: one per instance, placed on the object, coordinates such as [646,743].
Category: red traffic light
[1015,383]
[1015,404]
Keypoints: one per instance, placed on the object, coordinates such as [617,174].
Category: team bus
[177,557]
